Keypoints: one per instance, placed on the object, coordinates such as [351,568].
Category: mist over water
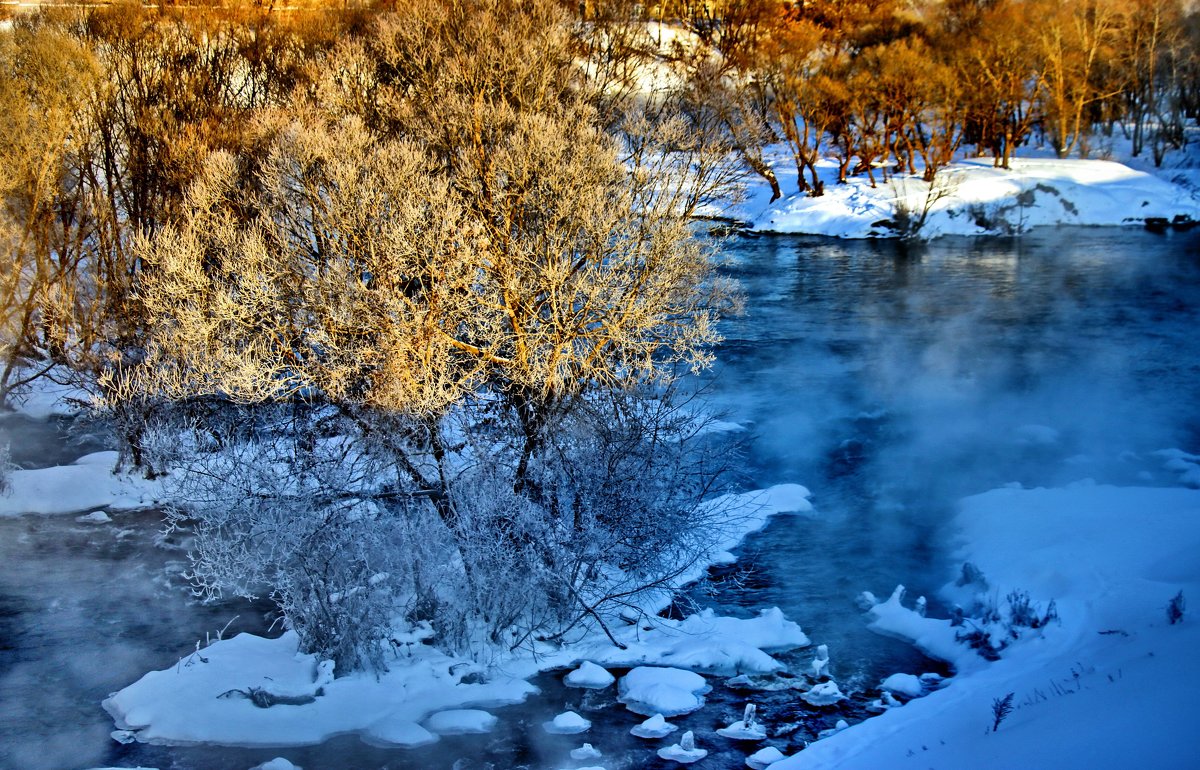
[894,379]
[890,380]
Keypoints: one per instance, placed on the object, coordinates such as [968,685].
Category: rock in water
[764,758]
[589,676]
[567,723]
[654,727]
[684,752]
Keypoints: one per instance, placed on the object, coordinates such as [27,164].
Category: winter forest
[432,384]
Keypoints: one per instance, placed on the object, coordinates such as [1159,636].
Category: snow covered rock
[684,752]
[586,751]
[654,727]
[589,676]
[278,763]
[402,733]
[824,694]
[820,664]
[886,701]
[904,684]
[840,725]
[461,722]
[649,690]
[95,517]
[567,723]
[764,758]
[745,729]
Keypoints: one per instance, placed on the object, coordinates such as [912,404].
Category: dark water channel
[890,380]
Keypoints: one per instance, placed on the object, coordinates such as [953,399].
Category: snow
[589,676]
[824,694]
[86,484]
[278,763]
[95,517]
[740,731]
[684,752]
[670,692]
[764,758]
[971,197]
[398,732]
[655,727]
[461,722]
[904,684]
[1111,685]
[567,723]
[586,751]
[182,704]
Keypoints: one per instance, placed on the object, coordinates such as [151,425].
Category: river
[890,379]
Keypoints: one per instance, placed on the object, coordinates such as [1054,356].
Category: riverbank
[971,197]
[1110,683]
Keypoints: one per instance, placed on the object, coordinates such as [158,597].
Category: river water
[890,379]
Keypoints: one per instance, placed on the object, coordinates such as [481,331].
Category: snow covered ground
[1111,684]
[970,197]
[89,483]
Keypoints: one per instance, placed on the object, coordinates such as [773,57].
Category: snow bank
[191,702]
[1113,685]
[85,485]
[970,197]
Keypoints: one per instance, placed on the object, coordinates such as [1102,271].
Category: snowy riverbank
[1110,684]
[970,197]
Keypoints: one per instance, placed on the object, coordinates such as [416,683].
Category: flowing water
[890,379]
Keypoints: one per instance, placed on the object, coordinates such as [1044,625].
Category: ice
[764,758]
[589,676]
[654,727]
[278,763]
[684,752]
[824,694]
[586,751]
[567,723]
[904,684]
[671,692]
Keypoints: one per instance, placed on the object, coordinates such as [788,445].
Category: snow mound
[567,723]
[278,763]
[648,690]
[589,676]
[586,751]
[904,684]
[461,722]
[824,694]
[654,727]
[684,752]
[398,732]
[764,758]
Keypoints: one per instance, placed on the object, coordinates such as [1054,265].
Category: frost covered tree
[426,376]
